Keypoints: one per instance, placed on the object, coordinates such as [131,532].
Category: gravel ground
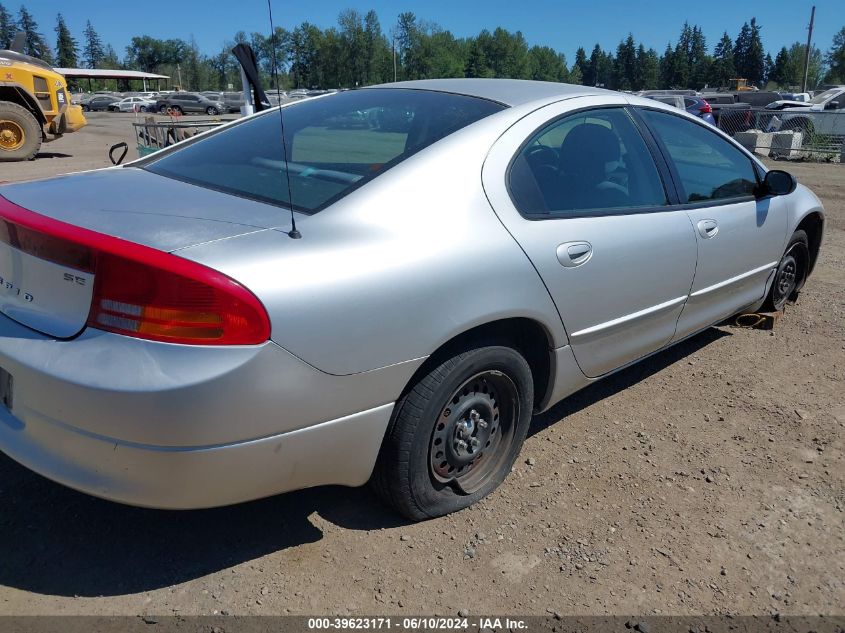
[708,479]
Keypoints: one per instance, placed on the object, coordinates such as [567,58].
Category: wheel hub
[472,431]
[11,135]
[786,280]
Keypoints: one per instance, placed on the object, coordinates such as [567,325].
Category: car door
[190,103]
[740,238]
[577,186]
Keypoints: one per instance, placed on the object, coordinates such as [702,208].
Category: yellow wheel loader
[34,106]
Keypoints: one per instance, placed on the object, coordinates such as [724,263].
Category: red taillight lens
[705,108]
[140,291]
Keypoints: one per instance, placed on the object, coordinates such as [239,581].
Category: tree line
[357,52]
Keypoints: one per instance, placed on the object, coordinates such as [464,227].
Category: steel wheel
[791,272]
[456,431]
[12,135]
[474,431]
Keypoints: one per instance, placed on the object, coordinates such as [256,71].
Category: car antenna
[293,233]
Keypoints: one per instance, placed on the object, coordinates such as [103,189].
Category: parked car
[729,114]
[98,103]
[693,104]
[830,120]
[133,104]
[232,100]
[259,334]
[183,102]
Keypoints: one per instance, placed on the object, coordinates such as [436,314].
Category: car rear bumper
[340,451]
[174,426]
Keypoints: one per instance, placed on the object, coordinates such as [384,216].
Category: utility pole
[807,52]
[393,46]
[179,72]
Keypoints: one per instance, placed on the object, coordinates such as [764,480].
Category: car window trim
[597,212]
[674,171]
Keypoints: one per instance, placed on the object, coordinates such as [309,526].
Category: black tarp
[246,56]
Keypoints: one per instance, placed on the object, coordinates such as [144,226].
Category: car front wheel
[791,272]
[212,111]
[456,432]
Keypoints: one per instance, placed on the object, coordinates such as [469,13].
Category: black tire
[492,378]
[20,133]
[176,110]
[212,111]
[162,109]
[791,273]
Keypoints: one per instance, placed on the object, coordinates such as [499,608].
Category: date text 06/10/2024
[412,623]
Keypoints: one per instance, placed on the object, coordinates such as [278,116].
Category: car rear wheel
[20,133]
[456,432]
[211,111]
[791,272]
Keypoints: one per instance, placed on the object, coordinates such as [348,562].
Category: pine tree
[648,69]
[749,56]
[741,48]
[7,28]
[581,63]
[624,66]
[755,60]
[699,60]
[575,76]
[836,58]
[723,70]
[666,64]
[66,47]
[779,71]
[769,67]
[93,49]
[34,44]
[590,75]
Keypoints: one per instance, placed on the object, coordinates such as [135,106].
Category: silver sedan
[377,285]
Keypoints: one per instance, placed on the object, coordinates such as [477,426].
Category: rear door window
[589,163]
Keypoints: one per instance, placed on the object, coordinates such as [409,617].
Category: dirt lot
[708,479]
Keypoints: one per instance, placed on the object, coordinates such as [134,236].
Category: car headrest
[587,149]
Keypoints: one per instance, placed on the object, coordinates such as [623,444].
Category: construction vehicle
[739,85]
[35,105]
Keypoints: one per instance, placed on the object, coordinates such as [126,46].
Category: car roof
[510,92]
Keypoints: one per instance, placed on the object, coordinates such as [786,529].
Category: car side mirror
[778,183]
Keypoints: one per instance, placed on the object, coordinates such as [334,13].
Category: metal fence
[789,135]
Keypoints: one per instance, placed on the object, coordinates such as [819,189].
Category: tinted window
[334,144]
[585,164]
[710,167]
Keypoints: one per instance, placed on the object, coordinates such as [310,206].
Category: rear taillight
[140,291]
[705,108]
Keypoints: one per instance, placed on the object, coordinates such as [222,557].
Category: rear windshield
[334,145]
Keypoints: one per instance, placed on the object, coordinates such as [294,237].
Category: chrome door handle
[708,228]
[572,254]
